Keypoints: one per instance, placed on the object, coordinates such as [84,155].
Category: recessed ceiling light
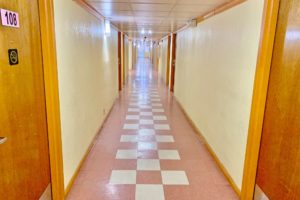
[107,27]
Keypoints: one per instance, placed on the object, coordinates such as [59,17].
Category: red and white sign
[9,18]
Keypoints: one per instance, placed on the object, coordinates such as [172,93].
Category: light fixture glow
[143,31]
[149,32]
[107,27]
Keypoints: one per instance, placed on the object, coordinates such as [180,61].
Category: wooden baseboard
[211,151]
[71,182]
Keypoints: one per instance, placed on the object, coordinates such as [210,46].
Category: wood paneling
[24,158]
[259,97]
[279,159]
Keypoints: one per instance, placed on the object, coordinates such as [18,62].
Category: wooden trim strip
[94,12]
[210,150]
[52,97]
[90,9]
[71,183]
[268,30]
[214,12]
[219,10]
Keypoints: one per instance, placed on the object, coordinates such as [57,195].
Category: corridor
[147,150]
[149,100]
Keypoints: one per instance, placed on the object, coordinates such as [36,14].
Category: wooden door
[24,156]
[279,161]
[172,81]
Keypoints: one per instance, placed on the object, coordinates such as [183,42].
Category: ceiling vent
[192,23]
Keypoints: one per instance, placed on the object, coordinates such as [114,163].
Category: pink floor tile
[149,177]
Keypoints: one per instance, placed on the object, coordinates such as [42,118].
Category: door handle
[3,140]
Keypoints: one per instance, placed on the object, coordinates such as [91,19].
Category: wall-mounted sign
[9,18]
[13,56]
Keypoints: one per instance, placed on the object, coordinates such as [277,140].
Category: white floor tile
[144,107]
[133,110]
[174,178]
[156,104]
[164,138]
[148,164]
[139,102]
[149,192]
[146,132]
[155,100]
[146,121]
[147,145]
[132,117]
[131,126]
[144,102]
[127,154]
[129,138]
[122,177]
[168,155]
[159,117]
[146,113]
[161,127]
[158,110]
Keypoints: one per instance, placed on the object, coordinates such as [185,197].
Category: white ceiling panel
[111,6]
[192,8]
[151,7]
[137,17]
[150,14]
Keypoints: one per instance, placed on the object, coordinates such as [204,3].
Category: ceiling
[152,18]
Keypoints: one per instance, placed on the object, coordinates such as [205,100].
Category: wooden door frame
[260,90]
[172,77]
[46,13]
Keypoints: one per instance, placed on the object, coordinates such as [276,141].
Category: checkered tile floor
[147,150]
[144,112]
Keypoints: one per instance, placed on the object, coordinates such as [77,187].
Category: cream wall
[87,70]
[126,58]
[215,70]
[162,63]
[130,55]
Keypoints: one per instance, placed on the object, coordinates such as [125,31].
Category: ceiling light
[150,32]
[143,31]
[107,27]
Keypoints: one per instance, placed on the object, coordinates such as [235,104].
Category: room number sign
[9,18]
